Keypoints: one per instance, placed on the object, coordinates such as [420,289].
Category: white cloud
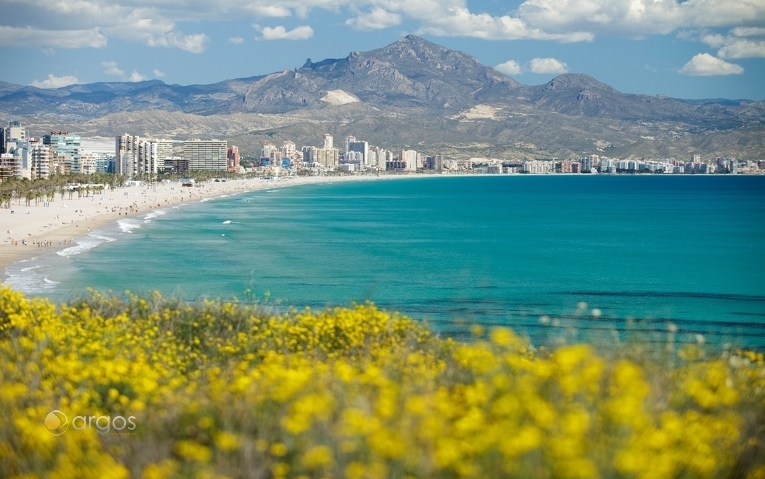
[705,64]
[274,11]
[738,44]
[191,43]
[135,76]
[55,82]
[377,19]
[743,49]
[112,69]
[302,32]
[461,22]
[88,23]
[638,17]
[33,37]
[159,74]
[748,32]
[547,66]
[236,40]
[510,67]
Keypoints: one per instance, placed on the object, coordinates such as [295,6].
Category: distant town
[61,153]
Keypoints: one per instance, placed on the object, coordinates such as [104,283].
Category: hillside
[409,93]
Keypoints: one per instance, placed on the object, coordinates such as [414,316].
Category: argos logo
[57,423]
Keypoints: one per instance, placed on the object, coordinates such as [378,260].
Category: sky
[683,49]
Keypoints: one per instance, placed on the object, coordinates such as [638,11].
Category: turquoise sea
[522,251]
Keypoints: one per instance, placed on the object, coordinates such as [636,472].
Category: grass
[223,389]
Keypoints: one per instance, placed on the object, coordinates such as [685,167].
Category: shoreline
[56,227]
[28,231]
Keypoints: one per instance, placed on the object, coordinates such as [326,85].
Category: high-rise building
[288,149]
[409,158]
[62,142]
[268,149]
[348,141]
[13,135]
[360,147]
[165,150]
[136,157]
[125,147]
[328,156]
[435,162]
[232,156]
[206,154]
[16,144]
[42,156]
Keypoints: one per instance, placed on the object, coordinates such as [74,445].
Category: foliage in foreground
[224,390]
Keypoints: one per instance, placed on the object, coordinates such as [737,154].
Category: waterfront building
[288,149]
[165,149]
[327,156]
[361,147]
[13,135]
[14,166]
[136,157]
[87,163]
[206,154]
[435,162]
[176,165]
[537,167]
[348,140]
[62,142]
[268,150]
[232,156]
[41,160]
[494,169]
[606,165]
[409,158]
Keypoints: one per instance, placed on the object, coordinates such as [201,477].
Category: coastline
[62,222]
[37,229]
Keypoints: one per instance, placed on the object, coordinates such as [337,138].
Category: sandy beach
[30,230]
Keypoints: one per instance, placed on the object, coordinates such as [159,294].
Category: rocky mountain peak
[580,81]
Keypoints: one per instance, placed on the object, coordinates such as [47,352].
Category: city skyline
[693,49]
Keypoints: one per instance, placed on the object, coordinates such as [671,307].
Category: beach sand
[30,230]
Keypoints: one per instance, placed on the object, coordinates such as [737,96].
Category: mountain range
[409,94]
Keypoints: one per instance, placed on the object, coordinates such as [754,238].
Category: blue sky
[683,49]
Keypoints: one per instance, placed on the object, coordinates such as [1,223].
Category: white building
[409,158]
[538,166]
[206,154]
[134,157]
[41,160]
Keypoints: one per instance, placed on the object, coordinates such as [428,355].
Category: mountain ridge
[411,79]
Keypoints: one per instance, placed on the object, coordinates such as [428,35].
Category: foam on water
[154,214]
[28,279]
[85,243]
[127,226]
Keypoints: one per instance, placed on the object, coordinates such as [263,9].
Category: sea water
[579,255]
